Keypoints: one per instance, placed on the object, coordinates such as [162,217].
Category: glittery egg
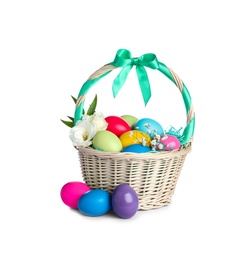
[168,143]
[134,137]
[149,126]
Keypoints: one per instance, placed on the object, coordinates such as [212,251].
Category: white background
[48,50]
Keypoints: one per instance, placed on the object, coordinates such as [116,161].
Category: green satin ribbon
[124,59]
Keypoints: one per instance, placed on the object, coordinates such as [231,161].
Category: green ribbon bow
[124,59]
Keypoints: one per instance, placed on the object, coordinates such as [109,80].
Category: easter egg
[125,201]
[134,137]
[95,203]
[131,120]
[136,148]
[117,125]
[72,191]
[168,143]
[106,141]
[149,126]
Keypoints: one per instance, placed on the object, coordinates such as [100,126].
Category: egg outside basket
[152,175]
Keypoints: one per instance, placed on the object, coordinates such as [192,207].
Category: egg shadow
[110,213]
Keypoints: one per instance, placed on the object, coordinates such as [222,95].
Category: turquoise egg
[136,148]
[95,203]
[149,126]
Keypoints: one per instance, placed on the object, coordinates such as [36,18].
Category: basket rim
[183,150]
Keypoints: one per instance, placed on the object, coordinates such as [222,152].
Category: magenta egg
[125,201]
[168,143]
[72,191]
[117,125]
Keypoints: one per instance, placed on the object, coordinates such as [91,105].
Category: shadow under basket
[152,175]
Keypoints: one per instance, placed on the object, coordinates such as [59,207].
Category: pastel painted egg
[131,120]
[125,201]
[149,126]
[72,191]
[136,148]
[117,125]
[95,203]
[134,137]
[168,143]
[106,141]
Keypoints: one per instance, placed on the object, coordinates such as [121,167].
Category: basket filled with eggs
[123,152]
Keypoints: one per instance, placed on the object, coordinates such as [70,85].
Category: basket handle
[123,59]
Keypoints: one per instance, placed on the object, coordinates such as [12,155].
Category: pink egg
[72,191]
[168,143]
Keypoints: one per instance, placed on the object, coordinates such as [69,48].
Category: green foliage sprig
[91,110]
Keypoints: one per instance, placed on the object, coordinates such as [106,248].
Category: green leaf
[68,123]
[92,107]
[74,99]
[72,118]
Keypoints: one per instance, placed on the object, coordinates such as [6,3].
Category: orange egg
[134,137]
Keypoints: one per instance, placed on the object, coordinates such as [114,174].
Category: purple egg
[125,201]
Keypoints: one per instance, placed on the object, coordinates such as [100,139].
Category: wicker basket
[152,175]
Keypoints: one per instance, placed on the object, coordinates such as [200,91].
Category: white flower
[164,137]
[97,120]
[161,146]
[143,141]
[153,142]
[157,137]
[82,133]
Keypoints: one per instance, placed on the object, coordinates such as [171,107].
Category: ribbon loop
[124,59]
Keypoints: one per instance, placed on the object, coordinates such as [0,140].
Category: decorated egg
[72,191]
[117,125]
[95,203]
[134,137]
[149,126]
[168,143]
[125,201]
[136,148]
[131,120]
[106,141]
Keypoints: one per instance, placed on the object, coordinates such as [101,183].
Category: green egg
[107,141]
[131,120]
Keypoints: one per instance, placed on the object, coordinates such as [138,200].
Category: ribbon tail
[120,80]
[188,132]
[144,83]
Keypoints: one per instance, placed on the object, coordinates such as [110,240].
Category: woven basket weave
[152,175]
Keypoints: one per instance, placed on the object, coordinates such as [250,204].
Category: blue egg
[136,148]
[95,203]
[149,126]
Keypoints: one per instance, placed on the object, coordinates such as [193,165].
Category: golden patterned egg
[134,137]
